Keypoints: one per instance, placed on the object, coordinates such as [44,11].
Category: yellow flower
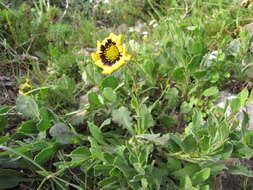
[25,87]
[110,54]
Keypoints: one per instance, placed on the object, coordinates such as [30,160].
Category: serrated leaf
[28,107]
[122,117]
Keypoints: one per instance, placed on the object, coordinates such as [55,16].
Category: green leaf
[94,101]
[44,123]
[235,105]
[111,82]
[109,94]
[66,83]
[96,150]
[185,107]
[187,170]
[10,178]
[61,133]
[146,118]
[28,107]
[45,154]
[167,122]
[172,97]
[108,182]
[179,74]
[80,153]
[239,170]
[122,117]
[96,133]
[201,176]
[212,91]
[190,144]
[28,127]
[173,164]
[154,138]
[243,96]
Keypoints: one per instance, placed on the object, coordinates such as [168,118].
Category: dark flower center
[109,53]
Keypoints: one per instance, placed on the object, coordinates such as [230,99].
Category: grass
[153,124]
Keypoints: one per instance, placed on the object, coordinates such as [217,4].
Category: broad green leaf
[201,176]
[190,144]
[185,107]
[96,133]
[212,91]
[45,154]
[179,74]
[189,170]
[235,105]
[28,127]
[122,117]
[28,107]
[173,164]
[94,101]
[109,94]
[10,178]
[111,82]
[243,96]
[61,133]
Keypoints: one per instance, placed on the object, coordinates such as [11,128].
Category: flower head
[110,55]
[25,87]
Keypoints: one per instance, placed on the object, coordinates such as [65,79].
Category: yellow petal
[127,56]
[120,48]
[95,57]
[113,37]
[99,64]
[98,47]
[119,39]
[107,70]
